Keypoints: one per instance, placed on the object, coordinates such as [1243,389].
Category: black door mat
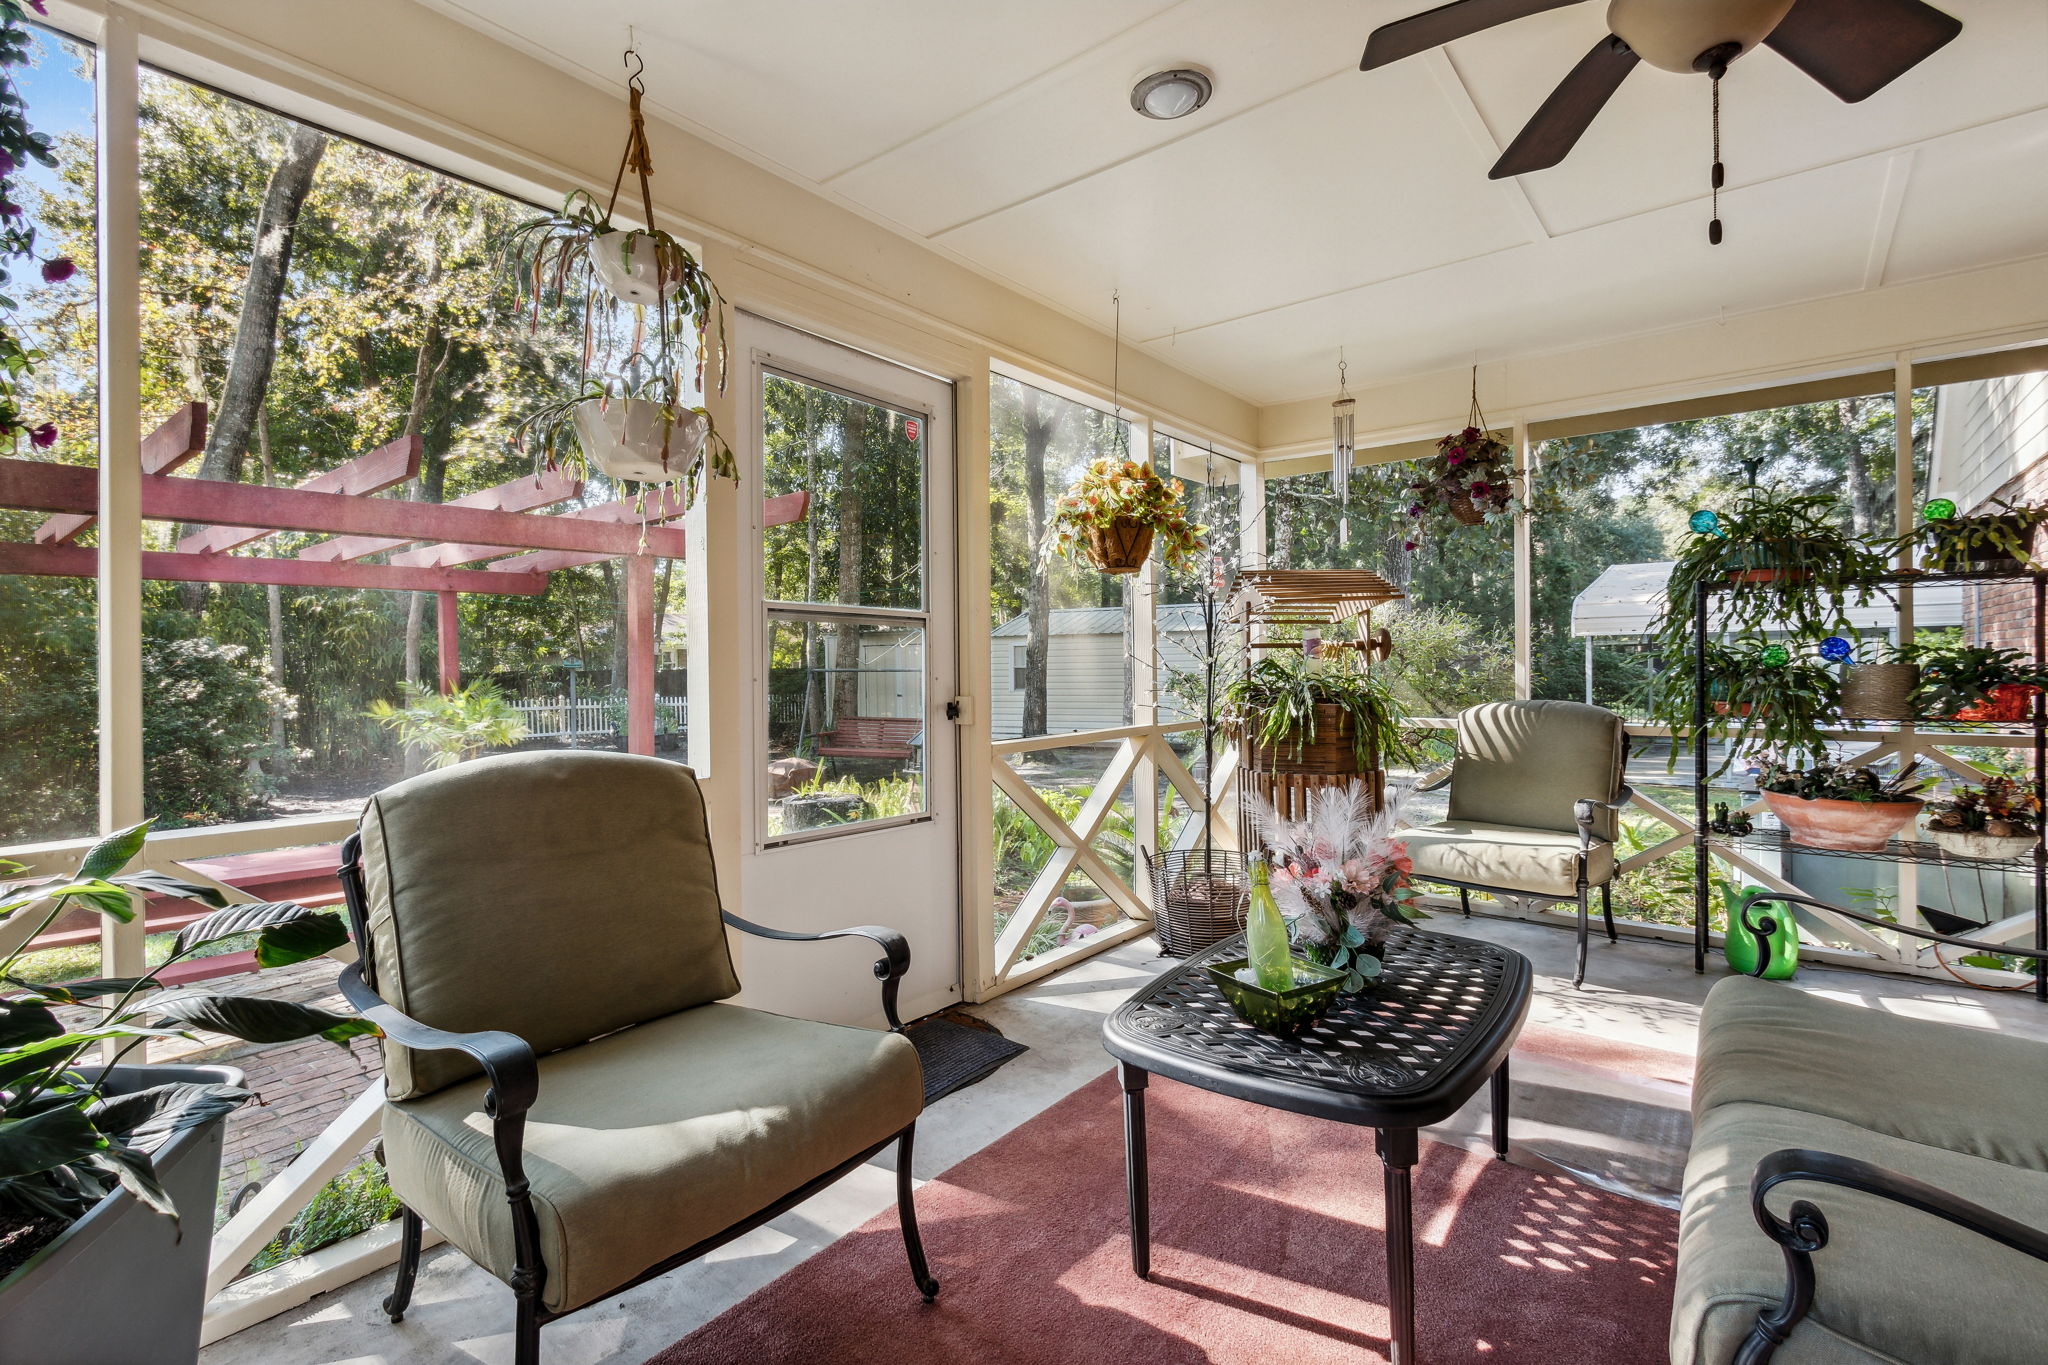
[955,1056]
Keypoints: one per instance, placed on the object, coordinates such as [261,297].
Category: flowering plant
[1113,490]
[1343,879]
[19,144]
[2003,808]
[1472,469]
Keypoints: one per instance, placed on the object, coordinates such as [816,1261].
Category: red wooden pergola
[425,545]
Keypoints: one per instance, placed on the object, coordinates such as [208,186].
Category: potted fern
[108,1171]
[1322,714]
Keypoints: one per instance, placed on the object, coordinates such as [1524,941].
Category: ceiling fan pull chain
[1714,226]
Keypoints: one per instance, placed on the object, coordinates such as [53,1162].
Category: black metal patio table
[1396,1059]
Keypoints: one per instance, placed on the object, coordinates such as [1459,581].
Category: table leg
[1136,1178]
[1501,1089]
[1397,1148]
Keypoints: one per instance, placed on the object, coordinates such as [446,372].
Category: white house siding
[1084,672]
[1987,432]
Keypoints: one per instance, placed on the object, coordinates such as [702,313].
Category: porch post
[639,654]
[120,474]
[1525,662]
[449,626]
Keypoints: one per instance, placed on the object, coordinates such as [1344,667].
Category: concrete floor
[1623,1135]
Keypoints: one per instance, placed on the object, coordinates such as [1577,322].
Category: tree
[1041,417]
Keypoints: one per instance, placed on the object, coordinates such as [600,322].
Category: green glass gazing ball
[1705,522]
[1775,656]
[1939,509]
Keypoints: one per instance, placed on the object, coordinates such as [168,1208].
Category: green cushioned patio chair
[1535,788]
[568,1099]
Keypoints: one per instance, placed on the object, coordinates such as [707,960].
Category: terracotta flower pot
[1845,826]
[2009,703]
[1120,547]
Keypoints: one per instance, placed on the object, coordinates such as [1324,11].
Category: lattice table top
[1407,1053]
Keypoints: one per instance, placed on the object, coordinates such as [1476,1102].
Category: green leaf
[85,888]
[71,992]
[55,1137]
[1372,967]
[164,884]
[254,917]
[255,1019]
[1353,937]
[114,852]
[137,1174]
[147,1118]
[26,1021]
[300,940]
[1355,981]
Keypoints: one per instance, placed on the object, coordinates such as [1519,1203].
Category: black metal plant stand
[1898,851]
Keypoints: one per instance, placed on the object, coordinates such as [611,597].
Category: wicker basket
[1199,897]
[1879,691]
[1120,547]
[1463,509]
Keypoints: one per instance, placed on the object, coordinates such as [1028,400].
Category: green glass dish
[1285,1012]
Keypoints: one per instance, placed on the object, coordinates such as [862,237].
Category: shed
[1085,667]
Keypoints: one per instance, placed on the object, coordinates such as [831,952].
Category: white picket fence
[593,717]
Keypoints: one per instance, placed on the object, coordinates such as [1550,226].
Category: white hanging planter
[623,439]
[626,262]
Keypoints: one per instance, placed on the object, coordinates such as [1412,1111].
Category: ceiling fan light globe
[1171,94]
[1672,35]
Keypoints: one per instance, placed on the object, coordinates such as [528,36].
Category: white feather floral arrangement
[1342,878]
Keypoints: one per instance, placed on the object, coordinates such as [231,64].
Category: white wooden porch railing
[592,716]
[1141,756]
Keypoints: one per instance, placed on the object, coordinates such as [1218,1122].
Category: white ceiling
[1311,206]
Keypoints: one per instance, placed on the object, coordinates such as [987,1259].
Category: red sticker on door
[911,427]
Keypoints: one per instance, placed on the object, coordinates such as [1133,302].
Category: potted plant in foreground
[1986,541]
[1324,714]
[1980,683]
[1842,806]
[2000,819]
[1114,511]
[108,1172]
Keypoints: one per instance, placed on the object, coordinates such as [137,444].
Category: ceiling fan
[1852,47]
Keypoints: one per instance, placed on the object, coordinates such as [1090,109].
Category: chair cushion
[1893,1284]
[1525,763]
[558,896]
[647,1142]
[1967,1090]
[1540,862]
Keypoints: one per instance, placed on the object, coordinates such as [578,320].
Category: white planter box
[623,439]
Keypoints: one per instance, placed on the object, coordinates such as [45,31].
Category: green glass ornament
[1939,509]
[1776,656]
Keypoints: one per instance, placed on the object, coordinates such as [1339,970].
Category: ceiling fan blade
[1445,23]
[1556,128]
[1857,47]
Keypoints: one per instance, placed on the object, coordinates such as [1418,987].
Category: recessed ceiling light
[1171,94]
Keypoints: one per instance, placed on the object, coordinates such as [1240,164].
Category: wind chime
[1343,434]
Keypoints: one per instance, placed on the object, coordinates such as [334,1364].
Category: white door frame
[831,879]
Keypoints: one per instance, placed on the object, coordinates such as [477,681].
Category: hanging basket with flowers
[1114,512]
[1471,476]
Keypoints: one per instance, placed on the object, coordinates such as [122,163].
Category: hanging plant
[1112,513]
[1471,476]
[643,423]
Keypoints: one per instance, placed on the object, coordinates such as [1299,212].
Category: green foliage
[353,1202]
[205,718]
[1470,466]
[1955,675]
[64,1143]
[1959,544]
[1754,699]
[19,145]
[1112,490]
[1444,660]
[445,730]
[1843,782]
[1276,699]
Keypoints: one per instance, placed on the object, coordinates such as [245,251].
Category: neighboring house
[1991,441]
[1085,668]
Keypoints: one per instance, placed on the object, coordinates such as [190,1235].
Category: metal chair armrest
[1584,808]
[1760,926]
[507,1059]
[889,968]
[1805,1230]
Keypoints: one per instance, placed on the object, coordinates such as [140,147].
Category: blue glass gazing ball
[1834,649]
[1706,522]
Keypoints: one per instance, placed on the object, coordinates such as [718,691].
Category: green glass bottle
[1265,934]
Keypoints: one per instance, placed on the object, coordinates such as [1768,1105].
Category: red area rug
[1267,1247]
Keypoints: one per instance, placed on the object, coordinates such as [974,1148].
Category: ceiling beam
[177,439]
[781,510]
[365,474]
[81,561]
[38,486]
[663,504]
[1898,171]
[523,494]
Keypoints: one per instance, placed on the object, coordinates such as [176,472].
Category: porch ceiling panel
[1310,206]
[1632,276]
